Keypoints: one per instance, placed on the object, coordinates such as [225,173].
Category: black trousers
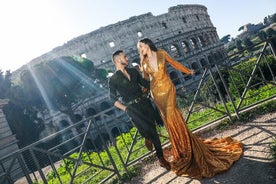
[143,116]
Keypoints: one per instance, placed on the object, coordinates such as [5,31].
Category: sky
[31,28]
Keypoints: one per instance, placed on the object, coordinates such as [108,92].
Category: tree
[262,35]
[58,84]
[101,76]
[248,43]
[266,21]
[270,32]
[241,28]
[17,113]
[270,19]
[273,18]
[54,85]
[238,43]
[21,124]
[225,39]
[86,64]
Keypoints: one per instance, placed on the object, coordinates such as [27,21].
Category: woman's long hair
[149,43]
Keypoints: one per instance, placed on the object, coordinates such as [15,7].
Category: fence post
[220,95]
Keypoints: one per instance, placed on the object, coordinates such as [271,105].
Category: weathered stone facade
[186,32]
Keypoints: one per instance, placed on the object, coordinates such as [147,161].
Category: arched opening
[217,57]
[164,25]
[64,124]
[78,118]
[185,46]
[203,62]
[202,41]
[115,132]
[67,135]
[206,39]
[105,105]
[91,112]
[194,43]
[101,139]
[211,60]
[140,34]
[174,77]
[196,67]
[174,51]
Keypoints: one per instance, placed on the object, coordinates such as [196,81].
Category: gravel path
[254,167]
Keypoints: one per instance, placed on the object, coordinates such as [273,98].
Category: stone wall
[185,32]
[8,145]
[182,26]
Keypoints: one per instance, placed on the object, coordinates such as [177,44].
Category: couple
[192,156]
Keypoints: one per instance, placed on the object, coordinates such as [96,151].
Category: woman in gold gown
[192,156]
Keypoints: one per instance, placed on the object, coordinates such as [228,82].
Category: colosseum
[185,32]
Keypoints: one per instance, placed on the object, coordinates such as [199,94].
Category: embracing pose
[126,94]
[192,156]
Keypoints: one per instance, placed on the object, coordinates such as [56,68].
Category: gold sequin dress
[192,156]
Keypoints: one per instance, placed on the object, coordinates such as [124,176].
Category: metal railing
[224,88]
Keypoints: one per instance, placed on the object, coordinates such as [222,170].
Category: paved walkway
[254,167]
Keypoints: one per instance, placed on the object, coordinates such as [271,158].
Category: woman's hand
[192,72]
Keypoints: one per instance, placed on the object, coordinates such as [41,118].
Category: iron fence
[223,89]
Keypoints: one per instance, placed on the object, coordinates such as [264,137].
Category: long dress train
[192,156]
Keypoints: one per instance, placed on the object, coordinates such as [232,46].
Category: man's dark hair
[116,53]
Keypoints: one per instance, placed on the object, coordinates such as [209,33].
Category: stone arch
[164,25]
[64,123]
[220,55]
[139,34]
[210,59]
[174,51]
[91,112]
[68,134]
[217,57]
[203,62]
[196,67]
[213,37]
[194,43]
[202,41]
[105,105]
[115,132]
[100,140]
[185,46]
[78,118]
[184,20]
[174,77]
[206,39]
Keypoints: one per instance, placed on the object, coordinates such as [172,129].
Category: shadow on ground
[254,167]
